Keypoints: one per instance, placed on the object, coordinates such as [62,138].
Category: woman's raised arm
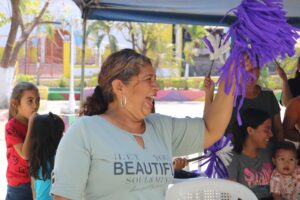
[217,116]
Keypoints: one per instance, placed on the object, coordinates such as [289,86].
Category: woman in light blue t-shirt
[119,150]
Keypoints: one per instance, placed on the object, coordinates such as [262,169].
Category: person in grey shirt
[251,163]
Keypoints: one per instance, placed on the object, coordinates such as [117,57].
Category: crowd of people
[118,142]
[263,134]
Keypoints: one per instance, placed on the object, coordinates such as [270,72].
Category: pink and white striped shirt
[287,186]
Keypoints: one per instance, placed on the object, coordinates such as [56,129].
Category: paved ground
[176,109]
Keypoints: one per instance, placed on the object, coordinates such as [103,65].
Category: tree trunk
[133,41]
[15,22]
[25,35]
[16,50]
[144,49]
[11,51]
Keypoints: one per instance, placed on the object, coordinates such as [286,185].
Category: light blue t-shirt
[97,160]
[41,187]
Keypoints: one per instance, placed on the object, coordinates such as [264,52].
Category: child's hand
[31,119]
[180,163]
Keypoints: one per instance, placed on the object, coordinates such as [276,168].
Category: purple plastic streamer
[215,166]
[207,42]
[261,30]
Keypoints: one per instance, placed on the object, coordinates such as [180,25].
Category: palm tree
[142,36]
[101,30]
[147,39]
[196,33]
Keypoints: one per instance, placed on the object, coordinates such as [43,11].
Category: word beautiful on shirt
[157,169]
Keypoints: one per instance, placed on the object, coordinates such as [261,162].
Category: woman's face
[255,75]
[248,64]
[255,71]
[140,93]
[261,135]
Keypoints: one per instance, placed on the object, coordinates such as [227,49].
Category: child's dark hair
[16,96]
[250,118]
[46,133]
[284,145]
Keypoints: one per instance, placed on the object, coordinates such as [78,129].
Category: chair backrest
[209,189]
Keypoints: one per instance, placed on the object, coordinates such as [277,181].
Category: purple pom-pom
[260,31]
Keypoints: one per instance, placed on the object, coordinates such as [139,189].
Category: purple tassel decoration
[208,44]
[217,158]
[261,30]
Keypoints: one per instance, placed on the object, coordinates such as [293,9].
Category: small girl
[46,132]
[24,103]
[285,179]
[251,163]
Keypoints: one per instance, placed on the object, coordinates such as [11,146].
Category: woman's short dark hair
[121,65]
[250,118]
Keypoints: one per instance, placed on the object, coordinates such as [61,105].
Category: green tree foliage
[290,63]
[24,78]
[3,19]
[98,31]
[30,7]
[147,39]
[197,33]
[26,15]
[143,36]
[101,29]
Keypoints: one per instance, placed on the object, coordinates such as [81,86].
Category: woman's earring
[123,101]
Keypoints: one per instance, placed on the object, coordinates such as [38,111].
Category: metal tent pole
[83,60]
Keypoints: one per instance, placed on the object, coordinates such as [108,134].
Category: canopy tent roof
[203,12]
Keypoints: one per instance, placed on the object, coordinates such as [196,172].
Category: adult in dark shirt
[290,87]
[260,98]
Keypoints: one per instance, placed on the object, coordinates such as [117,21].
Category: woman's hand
[281,73]
[286,91]
[208,86]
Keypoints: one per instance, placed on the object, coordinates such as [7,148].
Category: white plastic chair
[209,189]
